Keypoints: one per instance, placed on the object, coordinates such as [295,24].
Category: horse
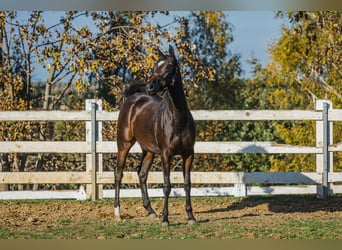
[161,125]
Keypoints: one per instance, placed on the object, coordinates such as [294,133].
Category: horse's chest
[173,143]
[172,133]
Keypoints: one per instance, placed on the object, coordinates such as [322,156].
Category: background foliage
[96,61]
[305,66]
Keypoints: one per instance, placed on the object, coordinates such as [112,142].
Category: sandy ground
[40,215]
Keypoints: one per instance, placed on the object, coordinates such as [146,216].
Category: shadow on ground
[285,204]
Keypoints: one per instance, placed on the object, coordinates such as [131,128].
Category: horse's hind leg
[144,167]
[123,149]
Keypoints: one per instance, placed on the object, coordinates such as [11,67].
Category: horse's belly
[149,147]
[146,139]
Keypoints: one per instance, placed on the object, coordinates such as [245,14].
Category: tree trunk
[4,167]
[38,167]
[2,86]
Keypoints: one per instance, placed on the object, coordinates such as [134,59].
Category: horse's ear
[171,51]
[161,53]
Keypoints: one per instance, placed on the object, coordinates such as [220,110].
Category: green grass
[137,230]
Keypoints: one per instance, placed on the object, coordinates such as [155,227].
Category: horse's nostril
[150,87]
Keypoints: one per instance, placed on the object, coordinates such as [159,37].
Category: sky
[253,31]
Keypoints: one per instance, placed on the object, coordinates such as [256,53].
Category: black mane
[135,86]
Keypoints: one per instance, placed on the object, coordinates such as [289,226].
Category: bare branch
[64,91]
[327,86]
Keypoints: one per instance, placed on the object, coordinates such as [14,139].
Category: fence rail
[322,182]
[200,147]
[199,115]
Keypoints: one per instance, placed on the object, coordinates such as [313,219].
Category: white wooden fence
[323,182]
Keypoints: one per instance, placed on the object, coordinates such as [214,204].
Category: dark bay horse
[161,126]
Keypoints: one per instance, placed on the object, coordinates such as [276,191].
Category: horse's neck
[176,95]
[175,107]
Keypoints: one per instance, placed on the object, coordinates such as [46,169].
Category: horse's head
[164,70]
[153,86]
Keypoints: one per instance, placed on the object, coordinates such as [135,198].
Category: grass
[136,230]
[219,218]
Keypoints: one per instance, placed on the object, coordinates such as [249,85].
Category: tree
[14,94]
[75,58]
[212,71]
[125,48]
[305,66]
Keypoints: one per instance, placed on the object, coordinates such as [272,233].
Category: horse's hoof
[165,224]
[118,218]
[192,222]
[152,216]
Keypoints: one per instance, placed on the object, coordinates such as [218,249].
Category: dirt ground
[262,211]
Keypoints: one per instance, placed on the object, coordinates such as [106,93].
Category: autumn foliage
[94,55]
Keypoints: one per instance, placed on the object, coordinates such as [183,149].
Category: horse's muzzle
[153,86]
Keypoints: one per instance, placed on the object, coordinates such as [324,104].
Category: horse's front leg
[166,159]
[187,165]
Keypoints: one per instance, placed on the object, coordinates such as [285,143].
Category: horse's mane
[134,86]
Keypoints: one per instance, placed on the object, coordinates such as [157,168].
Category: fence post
[324,137]
[93,152]
[240,188]
[93,160]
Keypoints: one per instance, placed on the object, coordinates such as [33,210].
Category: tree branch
[64,90]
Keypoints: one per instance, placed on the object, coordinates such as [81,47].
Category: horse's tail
[135,86]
